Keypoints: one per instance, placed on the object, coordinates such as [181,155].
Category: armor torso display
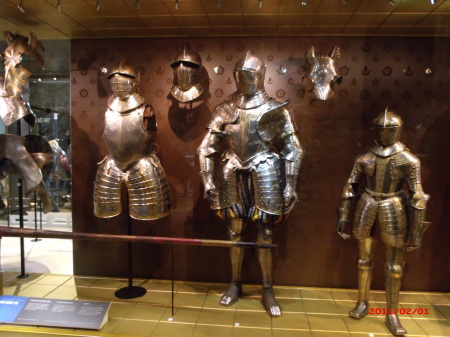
[242,136]
[125,137]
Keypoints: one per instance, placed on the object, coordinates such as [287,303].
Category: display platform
[307,312]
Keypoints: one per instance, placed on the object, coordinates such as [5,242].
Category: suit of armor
[187,68]
[131,158]
[387,169]
[12,107]
[247,183]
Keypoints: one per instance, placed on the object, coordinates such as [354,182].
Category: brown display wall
[410,75]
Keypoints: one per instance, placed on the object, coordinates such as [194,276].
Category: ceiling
[203,18]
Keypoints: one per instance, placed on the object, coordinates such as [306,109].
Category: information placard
[52,312]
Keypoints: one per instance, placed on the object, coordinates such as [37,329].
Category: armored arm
[348,194]
[417,204]
[292,154]
[206,154]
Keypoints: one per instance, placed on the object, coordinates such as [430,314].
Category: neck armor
[249,102]
[128,104]
[387,151]
[188,95]
[387,128]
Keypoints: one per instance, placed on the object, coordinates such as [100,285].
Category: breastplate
[242,136]
[125,137]
[383,181]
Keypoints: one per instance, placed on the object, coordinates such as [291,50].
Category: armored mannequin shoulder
[365,162]
[225,113]
[275,120]
[405,158]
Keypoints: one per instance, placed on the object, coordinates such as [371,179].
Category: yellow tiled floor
[307,312]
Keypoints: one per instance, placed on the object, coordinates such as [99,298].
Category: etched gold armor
[247,183]
[12,106]
[187,69]
[387,169]
[129,132]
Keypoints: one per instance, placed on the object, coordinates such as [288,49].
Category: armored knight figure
[387,169]
[247,183]
[130,128]
[187,69]
[323,72]
[12,106]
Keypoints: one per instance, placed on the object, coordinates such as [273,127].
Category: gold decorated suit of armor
[12,106]
[129,133]
[387,169]
[246,182]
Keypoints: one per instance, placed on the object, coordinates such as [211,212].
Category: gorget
[388,150]
[132,102]
[245,102]
[188,95]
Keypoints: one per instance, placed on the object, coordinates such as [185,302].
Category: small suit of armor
[242,171]
[387,169]
[129,132]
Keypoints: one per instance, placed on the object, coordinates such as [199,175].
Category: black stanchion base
[22,276]
[36,240]
[130,292]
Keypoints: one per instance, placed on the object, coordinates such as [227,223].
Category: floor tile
[316,293]
[291,321]
[250,332]
[253,319]
[420,311]
[366,325]
[109,283]
[323,322]
[249,303]
[216,316]
[130,327]
[145,312]
[192,287]
[320,306]
[111,325]
[181,315]
[63,293]
[78,281]
[290,333]
[157,298]
[120,310]
[330,334]
[434,327]
[377,296]
[291,305]
[189,299]
[291,292]
[168,329]
[96,294]
[53,279]
[212,331]
[443,309]
[438,298]
[345,294]
[410,298]
[37,290]
[163,285]
[412,326]
[13,289]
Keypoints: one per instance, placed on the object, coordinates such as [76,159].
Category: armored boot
[234,291]
[394,272]
[269,302]
[365,266]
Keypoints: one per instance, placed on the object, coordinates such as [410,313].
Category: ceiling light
[432,2]
[58,7]
[218,3]
[260,3]
[303,2]
[97,7]
[177,4]
[20,7]
[391,2]
[138,4]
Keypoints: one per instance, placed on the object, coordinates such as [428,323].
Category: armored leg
[365,266]
[265,233]
[394,272]
[234,291]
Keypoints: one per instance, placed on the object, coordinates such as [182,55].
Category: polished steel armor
[187,70]
[323,73]
[385,170]
[129,133]
[16,159]
[12,106]
[242,173]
